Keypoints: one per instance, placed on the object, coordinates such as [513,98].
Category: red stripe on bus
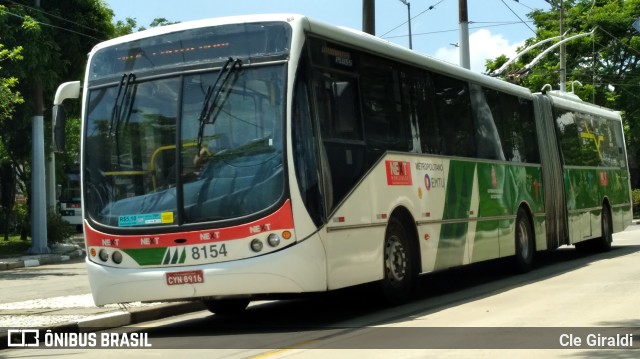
[282,219]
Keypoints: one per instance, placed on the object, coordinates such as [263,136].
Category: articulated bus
[235,159]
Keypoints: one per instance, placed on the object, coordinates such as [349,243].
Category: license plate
[185,277]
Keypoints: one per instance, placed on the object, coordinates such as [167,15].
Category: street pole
[409,17]
[464,34]
[563,61]
[38,193]
[369,16]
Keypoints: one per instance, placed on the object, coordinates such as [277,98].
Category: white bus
[233,159]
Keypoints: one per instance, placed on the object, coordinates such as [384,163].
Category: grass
[14,246]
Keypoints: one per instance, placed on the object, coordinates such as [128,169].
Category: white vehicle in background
[69,202]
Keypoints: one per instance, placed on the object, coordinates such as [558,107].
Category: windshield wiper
[119,102]
[210,106]
[122,108]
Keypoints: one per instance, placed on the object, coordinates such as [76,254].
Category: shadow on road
[325,315]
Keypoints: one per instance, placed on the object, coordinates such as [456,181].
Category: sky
[496,26]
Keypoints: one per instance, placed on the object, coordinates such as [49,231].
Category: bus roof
[347,36]
[359,39]
[571,101]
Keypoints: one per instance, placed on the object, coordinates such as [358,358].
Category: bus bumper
[297,269]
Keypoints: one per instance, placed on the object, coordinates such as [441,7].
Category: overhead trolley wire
[429,8]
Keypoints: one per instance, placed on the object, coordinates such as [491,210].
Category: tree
[8,97]
[606,63]
[53,41]
[8,100]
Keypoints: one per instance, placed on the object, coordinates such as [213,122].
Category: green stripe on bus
[146,256]
[453,236]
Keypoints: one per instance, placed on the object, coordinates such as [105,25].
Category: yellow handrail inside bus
[152,164]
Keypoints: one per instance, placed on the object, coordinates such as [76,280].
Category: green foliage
[635,196]
[14,247]
[57,229]
[606,63]
[22,220]
[8,97]
[39,49]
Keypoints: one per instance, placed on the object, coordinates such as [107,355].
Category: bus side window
[424,101]
[455,118]
[485,117]
[387,119]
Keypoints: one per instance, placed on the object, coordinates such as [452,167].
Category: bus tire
[524,240]
[226,306]
[603,244]
[399,264]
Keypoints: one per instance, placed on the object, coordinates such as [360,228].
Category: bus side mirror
[64,91]
[59,120]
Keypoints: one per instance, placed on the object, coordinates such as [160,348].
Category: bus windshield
[151,159]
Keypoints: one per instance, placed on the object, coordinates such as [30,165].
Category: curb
[45,259]
[116,319]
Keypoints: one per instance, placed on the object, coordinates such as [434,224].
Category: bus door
[342,147]
[552,173]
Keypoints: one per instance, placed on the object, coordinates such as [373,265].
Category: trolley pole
[464,34]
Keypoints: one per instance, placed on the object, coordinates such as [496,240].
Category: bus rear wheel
[226,306]
[603,243]
[399,267]
[524,242]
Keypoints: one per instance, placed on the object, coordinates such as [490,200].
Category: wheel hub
[395,260]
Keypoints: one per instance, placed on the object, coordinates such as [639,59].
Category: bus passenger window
[455,117]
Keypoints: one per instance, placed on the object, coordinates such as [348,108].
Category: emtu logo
[427,181]
[23,338]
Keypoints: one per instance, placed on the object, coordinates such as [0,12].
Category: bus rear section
[588,190]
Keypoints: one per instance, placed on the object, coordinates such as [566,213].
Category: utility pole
[563,56]
[464,34]
[369,16]
[562,72]
[409,17]
[38,193]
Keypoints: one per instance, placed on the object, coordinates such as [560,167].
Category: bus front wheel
[226,306]
[524,242]
[604,243]
[399,267]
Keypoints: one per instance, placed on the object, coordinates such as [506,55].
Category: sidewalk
[75,311]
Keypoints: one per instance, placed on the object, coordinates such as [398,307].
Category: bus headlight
[116,257]
[103,255]
[273,240]
[256,245]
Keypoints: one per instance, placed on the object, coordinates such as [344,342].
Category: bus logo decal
[170,258]
[398,173]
